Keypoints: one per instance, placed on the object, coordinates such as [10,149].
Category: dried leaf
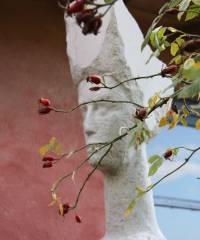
[183,121]
[175,119]
[44,150]
[163,122]
[197,124]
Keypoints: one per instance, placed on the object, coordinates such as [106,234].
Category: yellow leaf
[197,65]
[53,143]
[183,121]
[58,150]
[163,122]
[52,203]
[140,192]
[54,196]
[188,63]
[174,122]
[153,100]
[174,48]
[185,111]
[197,124]
[55,199]
[54,146]
[43,150]
[130,208]
[61,210]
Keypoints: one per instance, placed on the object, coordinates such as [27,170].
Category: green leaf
[165,6]
[193,12]
[108,1]
[178,59]
[174,3]
[153,158]
[155,166]
[171,29]
[180,41]
[191,90]
[153,25]
[154,54]
[161,32]
[132,142]
[184,5]
[197,2]
[191,71]
[174,48]
[175,151]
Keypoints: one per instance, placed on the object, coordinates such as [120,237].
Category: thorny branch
[110,144]
[175,170]
[132,79]
[95,101]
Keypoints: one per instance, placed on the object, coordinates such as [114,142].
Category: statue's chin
[104,165]
[107,165]
[112,160]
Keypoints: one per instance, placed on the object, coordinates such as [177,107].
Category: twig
[95,101]
[132,79]
[170,173]
[62,178]
[88,177]
[78,150]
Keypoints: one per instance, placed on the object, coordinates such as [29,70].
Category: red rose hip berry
[96,79]
[50,159]
[65,209]
[94,88]
[47,165]
[78,219]
[169,70]
[44,110]
[168,154]
[141,113]
[45,101]
[75,6]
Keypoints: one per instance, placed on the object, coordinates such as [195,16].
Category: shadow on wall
[33,64]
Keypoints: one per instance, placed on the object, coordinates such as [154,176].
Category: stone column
[116,51]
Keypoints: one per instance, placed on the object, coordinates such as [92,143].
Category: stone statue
[115,51]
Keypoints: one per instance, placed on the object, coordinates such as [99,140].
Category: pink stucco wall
[33,64]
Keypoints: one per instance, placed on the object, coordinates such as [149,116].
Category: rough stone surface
[117,52]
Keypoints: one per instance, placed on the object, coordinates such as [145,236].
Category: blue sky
[178,224]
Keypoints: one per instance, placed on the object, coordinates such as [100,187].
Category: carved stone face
[102,122]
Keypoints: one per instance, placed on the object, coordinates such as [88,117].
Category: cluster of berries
[48,162]
[88,19]
[44,106]
[65,209]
